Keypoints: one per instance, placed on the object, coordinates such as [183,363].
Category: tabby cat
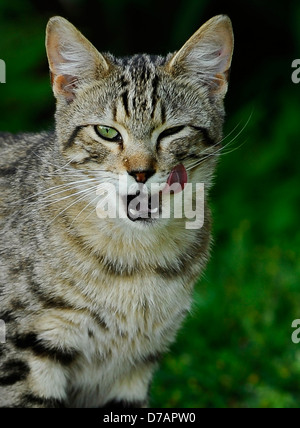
[90,303]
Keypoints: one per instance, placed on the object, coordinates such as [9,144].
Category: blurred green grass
[235,349]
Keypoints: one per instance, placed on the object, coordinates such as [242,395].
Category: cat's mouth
[141,207]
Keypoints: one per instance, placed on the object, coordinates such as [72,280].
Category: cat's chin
[144,221]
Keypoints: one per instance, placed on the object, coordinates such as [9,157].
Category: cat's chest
[128,331]
[132,316]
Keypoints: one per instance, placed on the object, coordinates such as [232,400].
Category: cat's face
[133,121]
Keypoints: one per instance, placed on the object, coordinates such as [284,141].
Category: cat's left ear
[72,58]
[206,56]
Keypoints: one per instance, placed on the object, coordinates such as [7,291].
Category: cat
[91,303]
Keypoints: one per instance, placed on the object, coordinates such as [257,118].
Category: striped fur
[91,304]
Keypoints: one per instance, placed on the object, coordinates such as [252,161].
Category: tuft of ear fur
[206,56]
[72,58]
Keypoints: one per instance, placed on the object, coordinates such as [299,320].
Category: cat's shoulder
[15,148]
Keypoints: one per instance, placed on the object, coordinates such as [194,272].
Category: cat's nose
[142,176]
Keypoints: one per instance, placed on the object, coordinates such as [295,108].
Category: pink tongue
[178,176]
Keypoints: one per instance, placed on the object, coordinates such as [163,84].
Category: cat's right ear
[72,58]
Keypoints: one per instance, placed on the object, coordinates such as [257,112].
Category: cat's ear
[72,58]
[206,56]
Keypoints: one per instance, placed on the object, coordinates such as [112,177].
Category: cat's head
[143,117]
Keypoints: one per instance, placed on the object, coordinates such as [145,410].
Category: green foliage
[235,349]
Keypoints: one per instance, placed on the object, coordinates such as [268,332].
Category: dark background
[235,350]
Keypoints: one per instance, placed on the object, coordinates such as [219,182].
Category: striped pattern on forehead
[139,83]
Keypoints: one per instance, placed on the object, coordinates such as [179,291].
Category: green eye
[107,133]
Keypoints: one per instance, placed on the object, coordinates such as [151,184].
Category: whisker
[53,164]
[64,186]
[242,130]
[75,173]
[69,206]
[88,170]
[66,165]
[235,148]
[90,203]
[104,200]
[85,191]
[221,149]
[91,212]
